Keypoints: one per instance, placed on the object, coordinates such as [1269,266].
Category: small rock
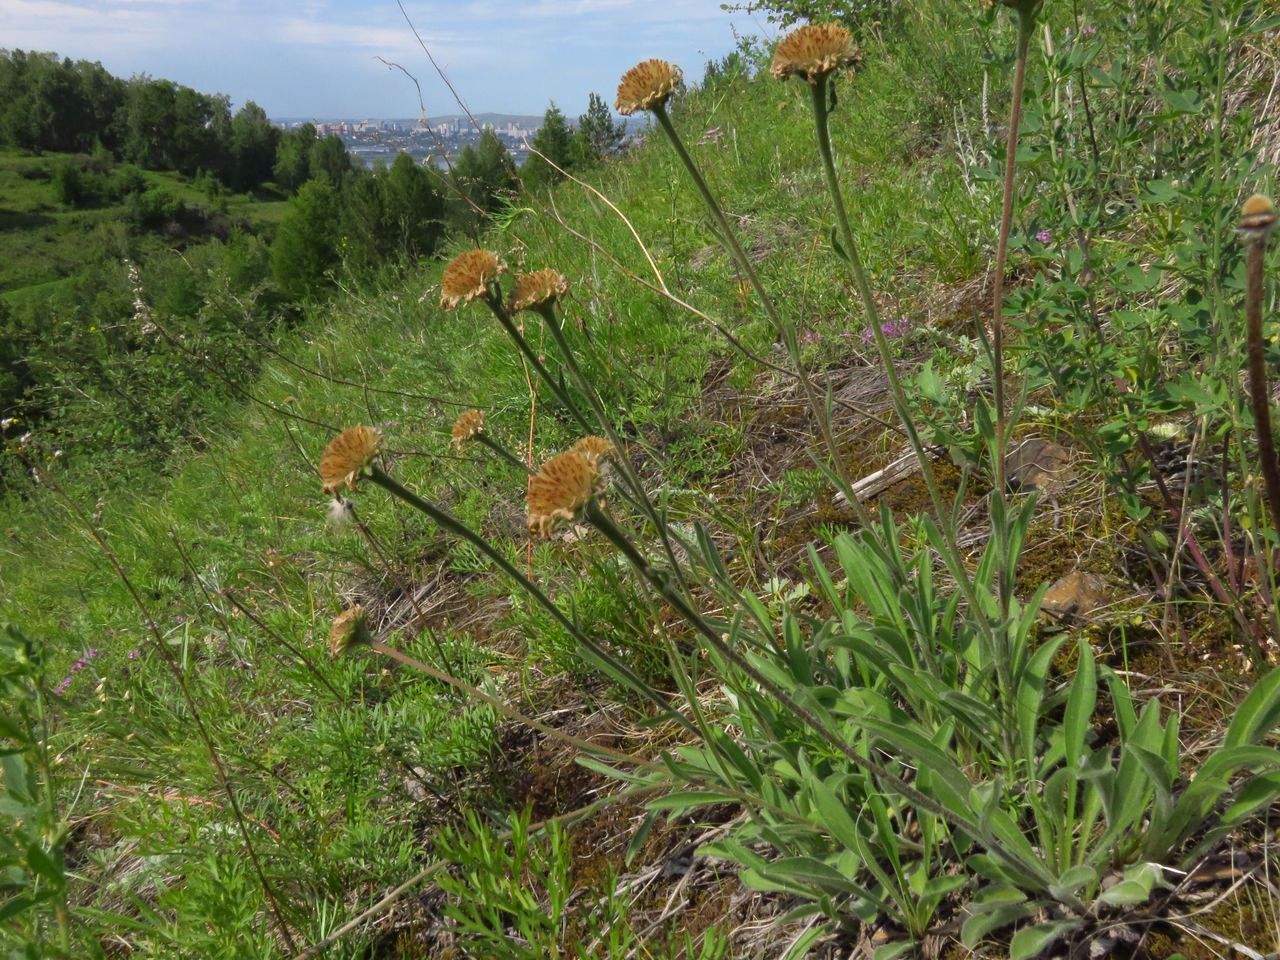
[1039,465]
[1076,596]
[414,785]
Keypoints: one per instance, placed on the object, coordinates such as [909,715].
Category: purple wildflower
[712,135]
[65,683]
[1044,236]
[1088,30]
[890,328]
[810,336]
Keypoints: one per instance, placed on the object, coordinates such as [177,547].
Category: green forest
[840,519]
[115,192]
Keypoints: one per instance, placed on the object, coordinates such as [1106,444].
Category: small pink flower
[1044,236]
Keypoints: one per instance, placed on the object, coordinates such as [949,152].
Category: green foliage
[252,148]
[305,247]
[292,166]
[328,160]
[510,898]
[937,701]
[34,839]
[860,16]
[558,148]
[599,136]
[76,107]
[484,178]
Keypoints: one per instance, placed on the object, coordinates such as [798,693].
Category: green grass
[323,777]
[42,241]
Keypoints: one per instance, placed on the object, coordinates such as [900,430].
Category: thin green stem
[784,330]
[1026,25]
[821,116]
[610,663]
[61,909]
[504,318]
[633,484]
[505,454]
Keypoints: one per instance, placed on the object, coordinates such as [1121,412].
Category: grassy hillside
[168,635]
[44,241]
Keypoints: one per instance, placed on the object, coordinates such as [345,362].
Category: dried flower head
[350,629]
[813,51]
[1257,217]
[560,488]
[648,84]
[466,427]
[597,448]
[347,456]
[468,276]
[533,290]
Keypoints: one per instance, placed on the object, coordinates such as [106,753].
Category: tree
[329,160]
[483,176]
[292,167]
[555,141]
[366,232]
[253,147]
[598,135]
[306,244]
[414,208]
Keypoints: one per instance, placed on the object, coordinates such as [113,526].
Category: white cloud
[317,52]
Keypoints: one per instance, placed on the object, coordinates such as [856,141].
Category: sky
[318,58]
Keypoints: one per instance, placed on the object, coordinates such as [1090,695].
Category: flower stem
[1258,376]
[821,117]
[607,661]
[1026,24]
[509,326]
[503,453]
[783,329]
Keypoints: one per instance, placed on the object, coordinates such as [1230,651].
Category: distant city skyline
[318,58]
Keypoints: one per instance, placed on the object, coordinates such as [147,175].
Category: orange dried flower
[813,51]
[535,289]
[468,276]
[1257,216]
[350,628]
[347,456]
[560,488]
[647,85]
[466,427]
[597,448]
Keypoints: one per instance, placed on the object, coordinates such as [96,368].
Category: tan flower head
[350,629]
[648,84]
[466,427]
[347,456]
[535,289]
[596,448]
[813,51]
[560,489]
[1257,216]
[468,276]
